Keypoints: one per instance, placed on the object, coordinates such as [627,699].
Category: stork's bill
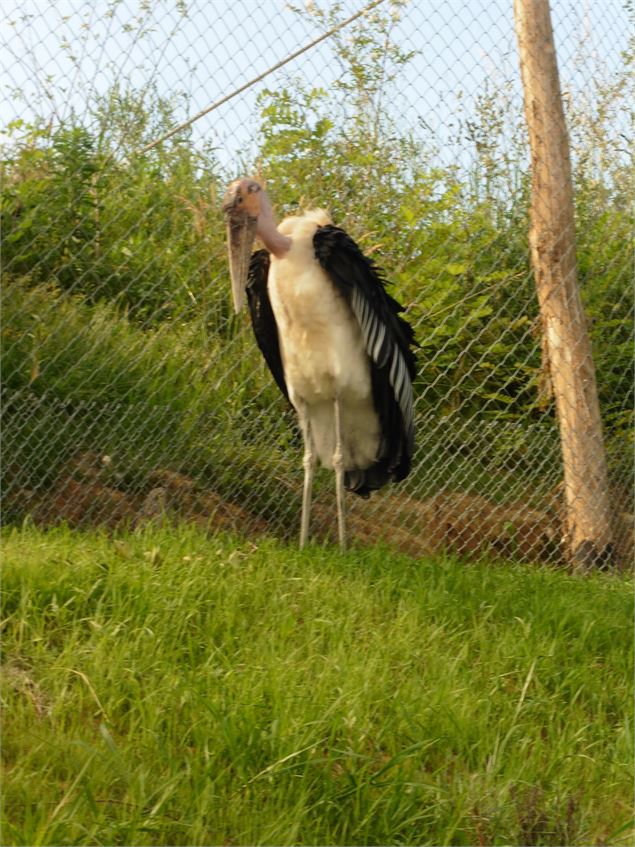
[241,206]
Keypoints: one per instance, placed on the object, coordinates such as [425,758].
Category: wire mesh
[132,393]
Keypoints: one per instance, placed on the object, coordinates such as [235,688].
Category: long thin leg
[338,464]
[309,468]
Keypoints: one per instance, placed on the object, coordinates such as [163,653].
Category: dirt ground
[468,524]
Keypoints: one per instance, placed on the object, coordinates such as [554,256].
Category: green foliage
[50,206]
[141,231]
[166,688]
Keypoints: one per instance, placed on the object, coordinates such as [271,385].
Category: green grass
[166,687]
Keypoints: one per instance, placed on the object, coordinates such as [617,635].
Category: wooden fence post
[552,243]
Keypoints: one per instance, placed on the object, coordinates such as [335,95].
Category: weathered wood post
[552,242]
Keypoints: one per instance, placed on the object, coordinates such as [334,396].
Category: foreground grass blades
[168,688]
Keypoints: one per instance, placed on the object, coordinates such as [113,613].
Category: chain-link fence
[130,390]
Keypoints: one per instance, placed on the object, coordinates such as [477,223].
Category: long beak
[241,234]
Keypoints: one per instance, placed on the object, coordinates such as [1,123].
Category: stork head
[242,205]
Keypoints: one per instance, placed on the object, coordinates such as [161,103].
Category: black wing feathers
[388,339]
[262,319]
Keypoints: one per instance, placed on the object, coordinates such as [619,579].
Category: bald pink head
[249,214]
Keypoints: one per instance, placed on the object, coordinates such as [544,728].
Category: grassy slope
[165,688]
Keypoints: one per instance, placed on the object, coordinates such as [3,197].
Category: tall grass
[168,688]
[83,377]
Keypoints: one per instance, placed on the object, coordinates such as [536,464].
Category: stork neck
[267,231]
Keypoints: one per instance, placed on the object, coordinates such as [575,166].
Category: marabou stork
[333,339]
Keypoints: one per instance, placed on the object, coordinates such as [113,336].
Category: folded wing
[388,340]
